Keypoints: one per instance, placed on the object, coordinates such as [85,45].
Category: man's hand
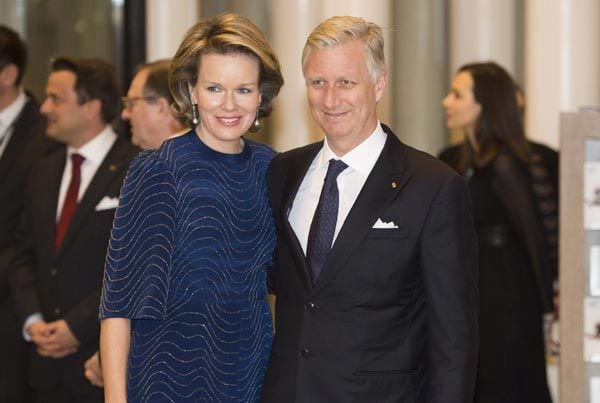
[40,333]
[61,335]
[93,371]
[55,339]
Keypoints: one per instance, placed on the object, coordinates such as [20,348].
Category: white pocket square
[107,203]
[384,225]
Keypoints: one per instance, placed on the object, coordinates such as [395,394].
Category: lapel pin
[112,167]
[394,185]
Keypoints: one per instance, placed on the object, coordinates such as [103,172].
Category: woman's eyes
[242,90]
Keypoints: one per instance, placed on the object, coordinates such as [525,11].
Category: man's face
[66,118]
[341,94]
[142,114]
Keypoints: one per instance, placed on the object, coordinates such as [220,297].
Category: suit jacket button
[305,353]
[54,271]
[311,306]
[57,311]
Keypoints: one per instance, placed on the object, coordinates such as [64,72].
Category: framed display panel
[580,256]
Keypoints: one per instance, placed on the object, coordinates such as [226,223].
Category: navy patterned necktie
[322,228]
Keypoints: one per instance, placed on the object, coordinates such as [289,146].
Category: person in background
[184,309]
[22,143]
[544,169]
[515,280]
[148,107]
[376,265]
[70,201]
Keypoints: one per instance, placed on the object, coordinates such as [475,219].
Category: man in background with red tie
[70,202]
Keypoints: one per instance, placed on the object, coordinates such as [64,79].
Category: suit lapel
[298,168]
[111,166]
[384,183]
[20,137]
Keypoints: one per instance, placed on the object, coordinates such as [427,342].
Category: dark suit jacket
[26,145]
[66,284]
[393,315]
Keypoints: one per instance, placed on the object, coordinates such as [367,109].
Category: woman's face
[228,95]
[462,110]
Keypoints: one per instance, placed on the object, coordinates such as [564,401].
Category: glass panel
[54,28]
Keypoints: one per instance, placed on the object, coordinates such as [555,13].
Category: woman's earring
[256,126]
[195,120]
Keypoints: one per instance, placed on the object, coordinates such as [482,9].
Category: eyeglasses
[128,103]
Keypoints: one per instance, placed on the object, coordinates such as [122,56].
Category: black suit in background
[393,315]
[66,284]
[26,145]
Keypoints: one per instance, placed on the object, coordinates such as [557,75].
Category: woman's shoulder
[506,163]
[260,150]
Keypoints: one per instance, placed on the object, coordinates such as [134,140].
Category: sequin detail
[187,263]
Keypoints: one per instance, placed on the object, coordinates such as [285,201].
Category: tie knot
[77,159]
[334,169]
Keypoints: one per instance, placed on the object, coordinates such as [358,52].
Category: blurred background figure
[544,169]
[22,142]
[147,106]
[70,201]
[515,275]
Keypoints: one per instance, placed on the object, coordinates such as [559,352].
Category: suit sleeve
[512,185]
[449,262]
[22,275]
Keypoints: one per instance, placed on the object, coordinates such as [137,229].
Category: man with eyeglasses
[70,201]
[22,142]
[147,106]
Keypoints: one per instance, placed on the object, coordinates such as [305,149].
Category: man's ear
[93,108]
[8,75]
[380,85]
[163,105]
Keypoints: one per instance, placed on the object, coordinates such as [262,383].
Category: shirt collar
[96,149]
[362,158]
[10,113]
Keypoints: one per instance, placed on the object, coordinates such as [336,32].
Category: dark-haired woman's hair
[499,124]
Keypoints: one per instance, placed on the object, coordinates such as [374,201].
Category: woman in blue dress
[184,310]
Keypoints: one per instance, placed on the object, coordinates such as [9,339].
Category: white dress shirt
[360,163]
[8,117]
[94,152]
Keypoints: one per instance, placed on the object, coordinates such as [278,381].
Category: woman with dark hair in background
[184,307]
[515,279]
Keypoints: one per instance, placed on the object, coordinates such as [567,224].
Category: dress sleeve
[512,184]
[138,263]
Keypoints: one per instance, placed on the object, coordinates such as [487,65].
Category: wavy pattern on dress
[187,262]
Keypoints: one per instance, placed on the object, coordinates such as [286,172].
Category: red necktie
[70,203]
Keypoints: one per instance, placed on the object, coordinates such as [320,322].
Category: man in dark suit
[22,142]
[375,267]
[70,202]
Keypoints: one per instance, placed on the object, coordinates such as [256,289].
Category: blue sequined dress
[187,264]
